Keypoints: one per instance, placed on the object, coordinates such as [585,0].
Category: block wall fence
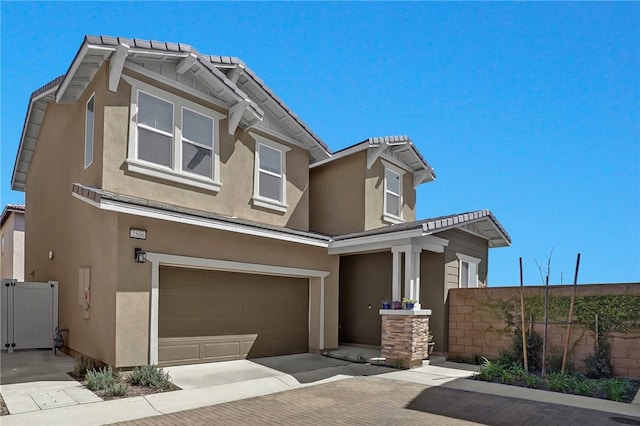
[481,324]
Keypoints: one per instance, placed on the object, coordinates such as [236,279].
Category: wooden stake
[573,299]
[524,333]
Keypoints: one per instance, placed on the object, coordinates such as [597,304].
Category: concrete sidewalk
[211,384]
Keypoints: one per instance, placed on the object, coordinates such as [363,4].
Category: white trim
[272,133]
[468,258]
[397,241]
[93,129]
[150,212]
[116,64]
[408,312]
[473,263]
[386,216]
[72,70]
[175,172]
[344,153]
[258,200]
[173,83]
[161,259]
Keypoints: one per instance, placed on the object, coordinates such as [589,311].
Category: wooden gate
[28,314]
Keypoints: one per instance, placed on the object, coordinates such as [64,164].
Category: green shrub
[150,376]
[599,365]
[532,380]
[615,388]
[513,354]
[102,379]
[83,364]
[489,370]
[560,382]
[117,389]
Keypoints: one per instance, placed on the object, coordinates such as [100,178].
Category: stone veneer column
[404,336]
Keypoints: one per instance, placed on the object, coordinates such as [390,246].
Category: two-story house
[194,217]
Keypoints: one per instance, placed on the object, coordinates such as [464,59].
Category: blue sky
[531,110]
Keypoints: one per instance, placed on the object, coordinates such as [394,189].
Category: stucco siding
[337,196]
[237,157]
[432,296]
[374,197]
[134,282]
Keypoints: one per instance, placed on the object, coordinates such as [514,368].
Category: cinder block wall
[477,329]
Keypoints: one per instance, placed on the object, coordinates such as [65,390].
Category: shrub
[103,378]
[615,388]
[118,389]
[559,382]
[513,354]
[598,365]
[532,380]
[83,364]
[150,376]
[489,370]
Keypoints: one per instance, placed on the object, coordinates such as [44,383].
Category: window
[468,276]
[270,181]
[88,132]
[173,138]
[392,209]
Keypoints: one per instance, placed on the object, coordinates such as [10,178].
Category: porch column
[396,274]
[412,275]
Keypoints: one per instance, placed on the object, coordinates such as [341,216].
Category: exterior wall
[12,261]
[374,196]
[365,281]
[134,283]
[475,329]
[78,235]
[470,245]
[236,168]
[432,296]
[337,195]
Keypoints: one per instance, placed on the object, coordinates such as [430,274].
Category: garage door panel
[255,315]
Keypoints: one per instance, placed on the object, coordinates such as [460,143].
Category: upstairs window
[173,138]
[270,178]
[392,209]
[88,131]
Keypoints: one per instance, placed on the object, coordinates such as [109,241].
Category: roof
[227,77]
[104,199]
[480,222]
[398,149]
[11,208]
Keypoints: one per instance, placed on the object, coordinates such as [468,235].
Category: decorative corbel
[116,64]
[235,115]
[186,64]
[374,153]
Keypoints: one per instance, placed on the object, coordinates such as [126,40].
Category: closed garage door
[207,316]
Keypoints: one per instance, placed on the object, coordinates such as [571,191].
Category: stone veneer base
[404,336]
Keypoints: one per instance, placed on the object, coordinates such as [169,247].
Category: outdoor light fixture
[139,255]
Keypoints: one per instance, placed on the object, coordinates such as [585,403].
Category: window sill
[159,172]
[269,204]
[394,220]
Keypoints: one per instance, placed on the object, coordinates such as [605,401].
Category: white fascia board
[72,70]
[233,266]
[270,132]
[176,85]
[27,123]
[114,206]
[356,148]
[373,242]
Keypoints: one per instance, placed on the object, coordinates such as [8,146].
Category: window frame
[257,199]
[473,268]
[88,133]
[175,173]
[386,215]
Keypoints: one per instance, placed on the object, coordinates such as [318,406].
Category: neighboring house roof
[10,208]
[394,148]
[228,78]
[112,201]
[481,222]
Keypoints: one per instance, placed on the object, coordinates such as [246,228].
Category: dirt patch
[132,390]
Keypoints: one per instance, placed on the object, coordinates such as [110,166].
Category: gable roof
[396,149]
[227,77]
[10,208]
[481,222]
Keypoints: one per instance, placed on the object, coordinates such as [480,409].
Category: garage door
[207,316]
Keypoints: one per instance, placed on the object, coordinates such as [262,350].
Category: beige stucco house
[12,242]
[190,216]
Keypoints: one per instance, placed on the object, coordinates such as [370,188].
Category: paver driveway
[376,401]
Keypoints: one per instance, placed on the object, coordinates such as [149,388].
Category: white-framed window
[392,202]
[468,271]
[270,174]
[89,130]
[173,138]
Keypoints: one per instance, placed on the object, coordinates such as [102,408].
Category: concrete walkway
[207,385]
